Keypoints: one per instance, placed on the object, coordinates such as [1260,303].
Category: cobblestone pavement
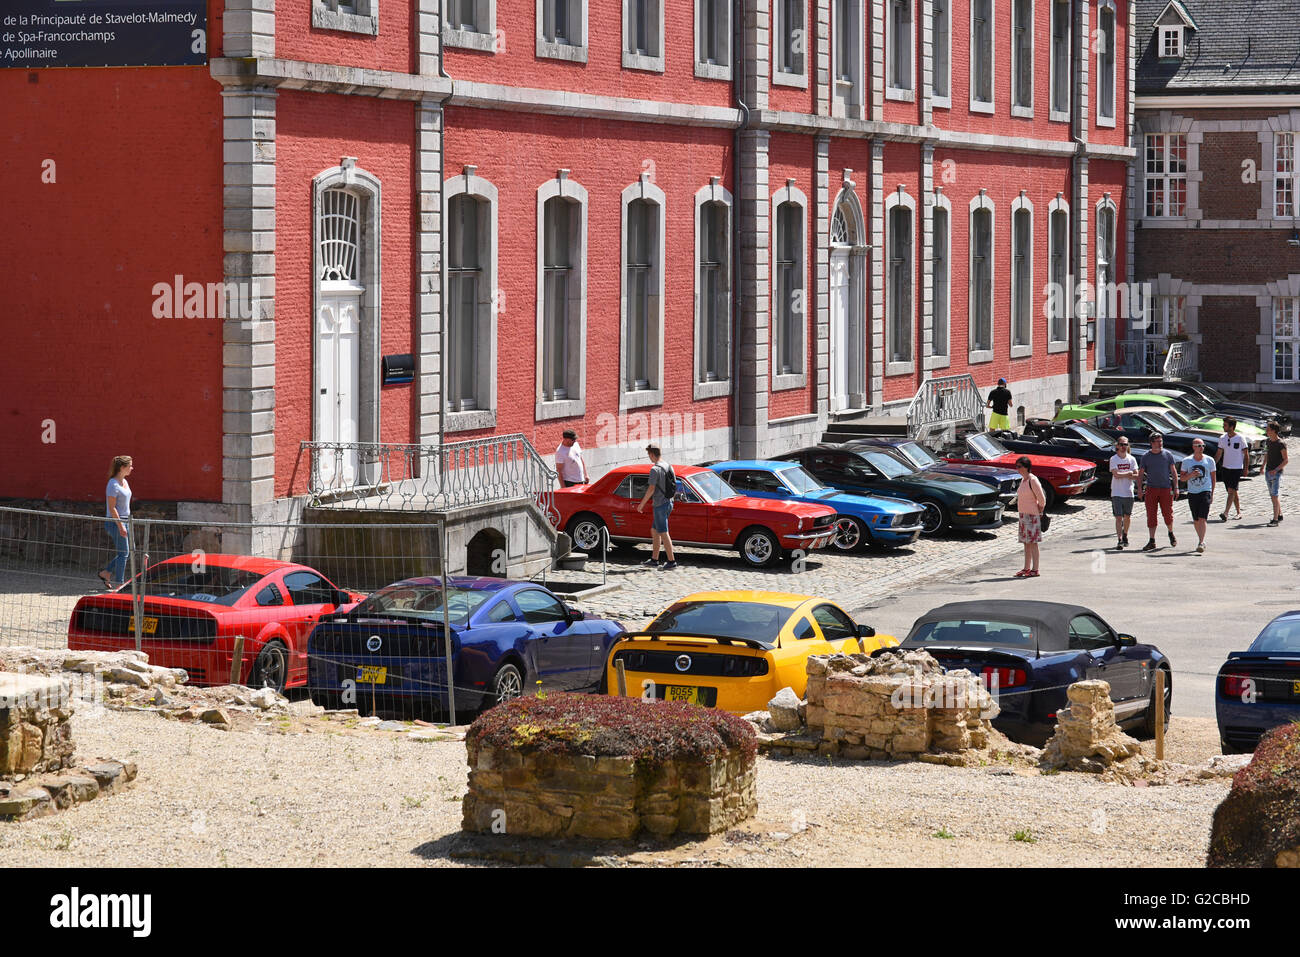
[862,580]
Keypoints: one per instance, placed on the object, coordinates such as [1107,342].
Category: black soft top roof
[1050,619]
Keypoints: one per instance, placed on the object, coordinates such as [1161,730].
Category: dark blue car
[507,638]
[1005,480]
[1031,651]
[1259,689]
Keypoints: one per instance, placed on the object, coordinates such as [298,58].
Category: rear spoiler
[720,639]
[982,649]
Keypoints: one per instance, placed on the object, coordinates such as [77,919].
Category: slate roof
[1239,46]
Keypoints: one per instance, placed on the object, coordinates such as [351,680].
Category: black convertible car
[1033,651]
[1076,440]
[1219,402]
[1139,424]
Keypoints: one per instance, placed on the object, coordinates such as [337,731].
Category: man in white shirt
[568,461]
[1233,458]
[1123,470]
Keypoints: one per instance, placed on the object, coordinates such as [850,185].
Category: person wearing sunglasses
[1123,472]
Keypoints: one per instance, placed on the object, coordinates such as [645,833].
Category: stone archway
[485,554]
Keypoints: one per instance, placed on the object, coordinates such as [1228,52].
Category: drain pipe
[738,81]
[442,221]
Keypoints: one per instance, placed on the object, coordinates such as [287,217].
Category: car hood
[941,482]
[991,473]
[777,506]
[1048,461]
[840,500]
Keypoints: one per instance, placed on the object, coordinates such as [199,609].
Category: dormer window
[1171,42]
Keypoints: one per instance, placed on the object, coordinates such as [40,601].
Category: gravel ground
[330,796]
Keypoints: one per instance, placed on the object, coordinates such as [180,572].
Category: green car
[1186,415]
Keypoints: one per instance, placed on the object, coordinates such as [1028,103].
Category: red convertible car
[707,513]
[1061,477]
[191,616]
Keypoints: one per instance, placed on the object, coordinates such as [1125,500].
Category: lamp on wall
[1092,331]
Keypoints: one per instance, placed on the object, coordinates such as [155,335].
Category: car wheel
[329,700]
[1149,720]
[758,547]
[1049,496]
[850,535]
[506,684]
[933,517]
[271,669]
[587,532]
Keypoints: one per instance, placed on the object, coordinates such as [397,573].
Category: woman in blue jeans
[1276,461]
[117,511]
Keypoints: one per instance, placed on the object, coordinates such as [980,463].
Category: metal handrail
[953,398]
[1178,361]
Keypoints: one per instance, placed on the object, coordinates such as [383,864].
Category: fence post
[237,660]
[1160,714]
[446,623]
[622,677]
[137,593]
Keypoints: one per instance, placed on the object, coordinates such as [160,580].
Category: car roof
[755,464]
[643,468]
[779,599]
[466,582]
[1053,618]
[258,566]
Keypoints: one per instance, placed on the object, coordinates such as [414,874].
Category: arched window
[712,291]
[1022,277]
[941,275]
[981,279]
[471,271]
[561,297]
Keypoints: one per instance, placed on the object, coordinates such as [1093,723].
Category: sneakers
[651,562]
[1124,540]
[1273,523]
[1200,548]
[667,566]
[1119,545]
[1150,546]
[1172,541]
[1223,517]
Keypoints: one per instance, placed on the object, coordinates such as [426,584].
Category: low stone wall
[575,795]
[1086,736]
[43,794]
[35,724]
[896,705]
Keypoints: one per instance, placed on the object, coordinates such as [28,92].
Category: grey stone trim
[327,78]
[1025,349]
[1133,196]
[325,15]
[561,185]
[551,50]
[1209,224]
[789,193]
[1081,101]
[249,28]
[638,61]
[1167,122]
[1122,154]
[1078,340]
[248,346]
[877,36]
[822,29]
[713,193]
[925,225]
[876,375]
[499,97]
[484,40]
[471,421]
[755,47]
[643,188]
[899,197]
[822,269]
[925,79]
[754,322]
[428,184]
[467,182]
[429,36]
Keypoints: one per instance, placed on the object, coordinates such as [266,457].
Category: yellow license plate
[150,625]
[372,675]
[1295,687]
[682,693]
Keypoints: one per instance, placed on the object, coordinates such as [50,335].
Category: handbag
[1044,521]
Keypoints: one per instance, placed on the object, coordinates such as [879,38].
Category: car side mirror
[341,597]
[866,631]
[1125,641]
[572,614]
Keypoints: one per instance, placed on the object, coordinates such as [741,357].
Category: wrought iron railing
[1178,362]
[411,477]
[953,398]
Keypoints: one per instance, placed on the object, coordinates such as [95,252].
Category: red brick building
[1216,199]
[727,223]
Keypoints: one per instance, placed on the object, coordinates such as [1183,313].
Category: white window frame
[712,388]
[847,96]
[1020,349]
[1107,50]
[576,319]
[781,77]
[1285,180]
[703,68]
[899,199]
[654,60]
[905,91]
[642,189]
[575,50]
[1170,42]
[1163,175]
[482,39]
[359,16]
[1291,304]
[1101,295]
[941,354]
[1064,296]
[797,378]
[1053,114]
[977,105]
[981,202]
[1017,109]
[1166,316]
[941,11]
[469,183]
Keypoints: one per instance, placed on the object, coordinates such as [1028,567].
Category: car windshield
[1092,436]
[215,584]
[800,481]
[986,446]
[1282,636]
[712,486]
[723,619]
[1212,395]
[1177,418]
[424,601]
[972,631]
[1190,400]
[918,454]
[886,464]
[1184,407]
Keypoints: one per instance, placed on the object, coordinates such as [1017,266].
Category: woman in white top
[1030,502]
[117,511]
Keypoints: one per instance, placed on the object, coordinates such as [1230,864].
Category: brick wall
[1220,256]
[1223,194]
[1228,325]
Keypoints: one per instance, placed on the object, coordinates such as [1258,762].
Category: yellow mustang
[735,650]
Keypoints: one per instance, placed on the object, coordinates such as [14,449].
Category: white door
[338,376]
[841,362]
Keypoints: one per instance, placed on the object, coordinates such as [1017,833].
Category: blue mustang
[1259,689]
[506,637]
[1034,650]
[861,519]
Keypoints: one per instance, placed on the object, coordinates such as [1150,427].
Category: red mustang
[192,613]
[1061,477]
[707,513]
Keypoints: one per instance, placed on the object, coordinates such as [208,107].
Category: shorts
[660,523]
[1273,480]
[1121,506]
[999,422]
[1031,529]
[1230,478]
[1163,499]
[1200,503]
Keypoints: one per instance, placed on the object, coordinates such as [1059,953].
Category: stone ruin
[1087,737]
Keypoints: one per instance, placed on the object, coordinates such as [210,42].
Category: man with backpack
[662,487]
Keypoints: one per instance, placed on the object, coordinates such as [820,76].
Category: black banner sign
[45,33]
